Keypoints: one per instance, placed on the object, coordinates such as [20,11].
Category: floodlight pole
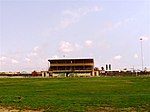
[141,53]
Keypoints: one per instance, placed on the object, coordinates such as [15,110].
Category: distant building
[71,67]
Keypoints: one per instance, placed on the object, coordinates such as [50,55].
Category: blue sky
[33,31]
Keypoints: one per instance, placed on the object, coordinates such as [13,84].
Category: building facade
[71,67]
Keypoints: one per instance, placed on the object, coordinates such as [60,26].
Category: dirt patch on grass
[99,109]
[113,109]
[2,109]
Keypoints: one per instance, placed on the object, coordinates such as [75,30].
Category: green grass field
[77,94]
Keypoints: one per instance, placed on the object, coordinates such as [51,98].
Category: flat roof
[71,59]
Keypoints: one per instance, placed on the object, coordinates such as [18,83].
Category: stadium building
[71,67]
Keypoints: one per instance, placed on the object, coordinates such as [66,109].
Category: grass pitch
[76,94]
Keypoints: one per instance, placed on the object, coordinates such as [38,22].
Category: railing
[73,64]
[72,71]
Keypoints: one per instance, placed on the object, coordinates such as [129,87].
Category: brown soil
[2,109]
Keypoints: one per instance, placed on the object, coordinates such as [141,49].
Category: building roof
[71,59]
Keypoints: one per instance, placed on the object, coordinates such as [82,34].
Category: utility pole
[141,53]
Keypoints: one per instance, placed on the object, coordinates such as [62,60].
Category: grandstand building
[71,67]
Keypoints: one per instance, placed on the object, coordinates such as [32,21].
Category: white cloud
[123,22]
[32,54]
[2,58]
[129,20]
[96,9]
[70,17]
[55,57]
[88,43]
[144,38]
[135,56]
[65,47]
[14,61]
[73,16]
[118,24]
[27,59]
[77,47]
[118,57]
[36,48]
